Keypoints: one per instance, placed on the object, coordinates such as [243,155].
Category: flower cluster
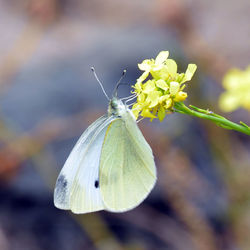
[237,94]
[156,96]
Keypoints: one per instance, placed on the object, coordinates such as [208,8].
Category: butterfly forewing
[85,194]
[76,186]
[127,168]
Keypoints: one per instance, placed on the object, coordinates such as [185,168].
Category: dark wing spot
[60,190]
[62,182]
[96,184]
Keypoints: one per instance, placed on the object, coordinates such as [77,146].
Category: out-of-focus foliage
[49,96]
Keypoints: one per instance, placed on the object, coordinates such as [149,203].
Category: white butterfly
[110,168]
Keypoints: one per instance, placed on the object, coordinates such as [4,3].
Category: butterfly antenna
[118,83]
[103,90]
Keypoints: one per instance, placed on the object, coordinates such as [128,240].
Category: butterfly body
[110,168]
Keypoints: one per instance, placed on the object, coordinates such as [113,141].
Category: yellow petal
[162,84]
[168,104]
[161,113]
[174,88]
[141,98]
[153,98]
[146,113]
[162,57]
[149,86]
[164,98]
[160,74]
[190,72]
[136,109]
[145,65]
[143,77]
[157,67]
[138,87]
[171,67]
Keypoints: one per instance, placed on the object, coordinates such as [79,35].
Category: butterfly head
[116,107]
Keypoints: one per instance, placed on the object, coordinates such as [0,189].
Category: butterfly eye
[113,104]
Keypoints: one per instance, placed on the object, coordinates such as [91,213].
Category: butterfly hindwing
[127,168]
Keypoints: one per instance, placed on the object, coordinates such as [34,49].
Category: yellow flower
[237,94]
[157,96]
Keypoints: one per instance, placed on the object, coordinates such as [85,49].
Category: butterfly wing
[77,184]
[127,168]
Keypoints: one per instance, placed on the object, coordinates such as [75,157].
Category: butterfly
[111,167]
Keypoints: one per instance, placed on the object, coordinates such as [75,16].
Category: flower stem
[221,121]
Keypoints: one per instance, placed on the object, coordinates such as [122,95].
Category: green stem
[180,107]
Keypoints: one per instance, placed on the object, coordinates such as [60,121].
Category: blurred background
[48,97]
